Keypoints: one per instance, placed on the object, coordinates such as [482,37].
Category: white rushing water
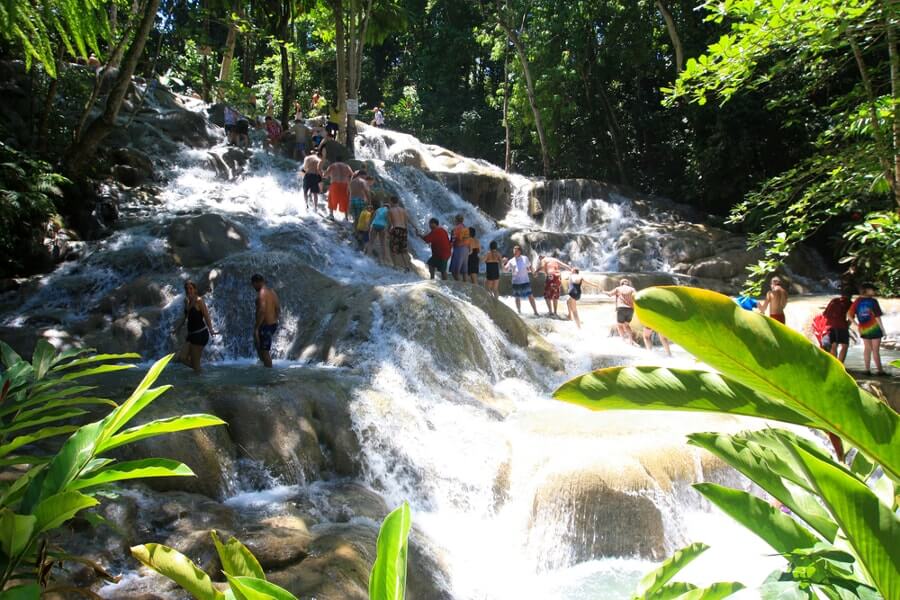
[475,449]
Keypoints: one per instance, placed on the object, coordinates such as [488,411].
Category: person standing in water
[775,301]
[362,228]
[624,295]
[399,235]
[359,194]
[648,340]
[268,309]
[440,248]
[459,261]
[199,327]
[575,281]
[378,234]
[836,340]
[520,267]
[339,174]
[491,262]
[473,263]
[866,312]
[553,283]
[312,180]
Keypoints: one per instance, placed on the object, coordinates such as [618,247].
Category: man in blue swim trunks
[268,310]
[520,267]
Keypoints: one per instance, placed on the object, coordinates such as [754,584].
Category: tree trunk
[228,55]
[286,91]
[115,57]
[881,143]
[340,50]
[891,34]
[81,152]
[532,100]
[506,161]
[359,28]
[673,35]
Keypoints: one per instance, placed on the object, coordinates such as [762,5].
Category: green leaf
[653,581]
[871,528]
[252,588]
[668,591]
[658,388]
[8,355]
[96,358]
[387,580]
[48,417]
[24,440]
[179,568]
[94,371]
[15,532]
[42,358]
[774,527]
[862,467]
[28,591]
[713,592]
[135,469]
[139,399]
[762,458]
[237,560]
[56,510]
[159,427]
[774,361]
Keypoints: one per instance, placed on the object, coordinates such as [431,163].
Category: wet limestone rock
[204,239]
[488,190]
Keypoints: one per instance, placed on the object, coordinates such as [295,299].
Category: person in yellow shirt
[362,227]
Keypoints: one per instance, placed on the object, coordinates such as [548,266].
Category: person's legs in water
[266,333]
[572,305]
[533,304]
[665,344]
[518,305]
[196,352]
[184,354]
[867,354]
[648,338]
[876,355]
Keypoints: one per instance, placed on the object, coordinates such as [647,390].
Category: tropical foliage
[842,531]
[245,576]
[658,584]
[38,402]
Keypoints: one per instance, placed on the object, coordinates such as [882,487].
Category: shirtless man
[339,189]
[399,234]
[359,194]
[268,310]
[624,295]
[312,180]
[775,301]
[552,267]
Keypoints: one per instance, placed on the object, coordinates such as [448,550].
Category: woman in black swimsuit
[575,282]
[199,327]
[474,262]
[491,262]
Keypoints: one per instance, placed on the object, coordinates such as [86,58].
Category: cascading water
[517,496]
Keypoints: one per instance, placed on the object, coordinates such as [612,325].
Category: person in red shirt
[837,328]
[440,248]
[273,134]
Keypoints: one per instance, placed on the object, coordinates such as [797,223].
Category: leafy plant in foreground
[246,578]
[842,535]
[657,584]
[34,397]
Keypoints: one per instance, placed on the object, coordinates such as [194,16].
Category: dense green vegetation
[839,529]
[782,114]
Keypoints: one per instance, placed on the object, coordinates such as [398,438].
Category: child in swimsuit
[491,262]
[474,261]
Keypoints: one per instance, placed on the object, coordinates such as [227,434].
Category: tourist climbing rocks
[552,267]
[301,136]
[199,327]
[339,174]
[836,339]
[359,193]
[363,222]
[624,295]
[575,282]
[399,235]
[474,263]
[520,267]
[312,180]
[265,326]
[439,240]
[378,117]
[273,134]
[866,313]
[492,261]
[776,300]
[230,117]
[459,261]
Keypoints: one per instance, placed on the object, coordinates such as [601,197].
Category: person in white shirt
[520,267]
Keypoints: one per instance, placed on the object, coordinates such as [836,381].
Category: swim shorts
[266,333]
[437,264]
[521,290]
[356,207]
[198,338]
[243,126]
[873,333]
[311,182]
[339,197]
[835,336]
[778,317]
[551,287]
[399,242]
[624,314]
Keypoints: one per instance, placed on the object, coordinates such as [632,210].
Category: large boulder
[488,190]
[204,239]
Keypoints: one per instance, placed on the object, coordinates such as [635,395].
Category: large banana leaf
[776,528]
[761,457]
[236,558]
[656,579]
[251,588]
[716,591]
[658,388]
[387,580]
[871,528]
[774,361]
[179,568]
